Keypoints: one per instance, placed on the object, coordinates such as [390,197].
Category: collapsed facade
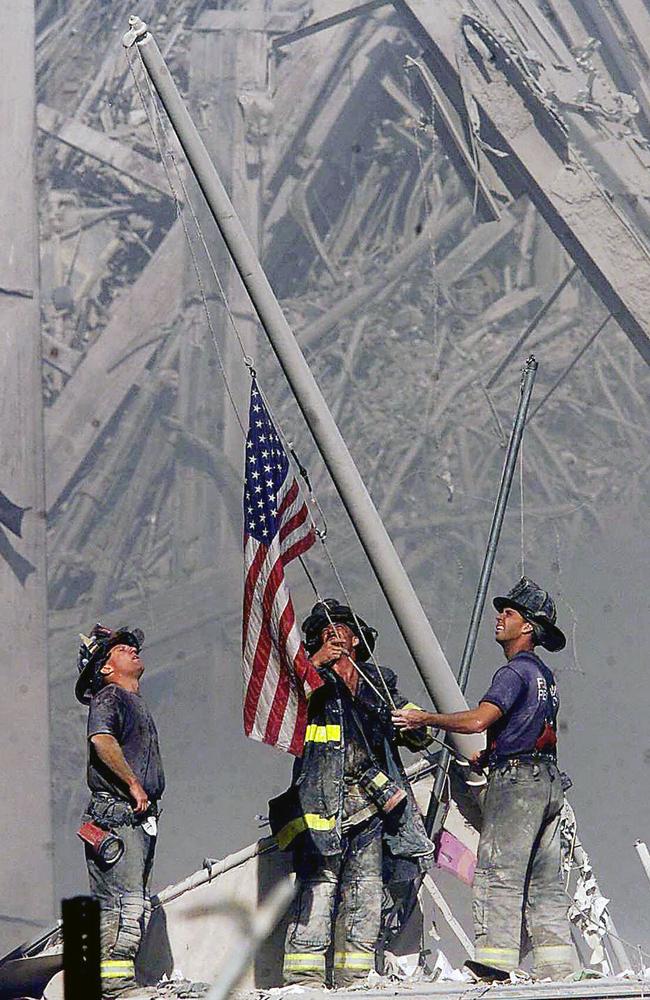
[418,192]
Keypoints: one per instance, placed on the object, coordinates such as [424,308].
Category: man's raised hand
[331,651]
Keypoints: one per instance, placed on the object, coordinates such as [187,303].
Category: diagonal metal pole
[527,382]
[404,603]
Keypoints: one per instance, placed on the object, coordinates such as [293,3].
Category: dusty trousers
[518,893]
[123,894]
[338,896]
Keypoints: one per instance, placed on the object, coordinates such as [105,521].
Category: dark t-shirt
[124,716]
[526,693]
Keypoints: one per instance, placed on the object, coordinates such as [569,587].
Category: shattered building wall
[406,300]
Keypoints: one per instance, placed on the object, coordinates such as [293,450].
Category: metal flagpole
[528,375]
[408,612]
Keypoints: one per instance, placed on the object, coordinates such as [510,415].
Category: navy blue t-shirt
[125,716]
[526,692]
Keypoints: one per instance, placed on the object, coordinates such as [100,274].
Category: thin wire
[195,219]
[245,356]
[181,216]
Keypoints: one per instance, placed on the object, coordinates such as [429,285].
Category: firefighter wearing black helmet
[519,898]
[349,808]
[126,780]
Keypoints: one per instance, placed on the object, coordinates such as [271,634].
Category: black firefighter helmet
[330,612]
[538,607]
[95,650]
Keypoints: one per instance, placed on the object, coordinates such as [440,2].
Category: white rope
[190,244]
[247,360]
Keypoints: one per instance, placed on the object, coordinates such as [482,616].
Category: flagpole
[528,375]
[418,634]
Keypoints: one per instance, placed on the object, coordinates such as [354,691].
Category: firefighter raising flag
[278,675]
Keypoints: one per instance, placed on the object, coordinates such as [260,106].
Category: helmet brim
[553,639]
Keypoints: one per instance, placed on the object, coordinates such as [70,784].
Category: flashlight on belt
[108,847]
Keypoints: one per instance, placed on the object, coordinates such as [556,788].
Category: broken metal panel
[520,122]
[101,147]
[623,30]
[102,381]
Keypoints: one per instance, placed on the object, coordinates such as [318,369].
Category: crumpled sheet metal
[588,910]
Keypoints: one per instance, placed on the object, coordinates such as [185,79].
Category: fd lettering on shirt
[542,690]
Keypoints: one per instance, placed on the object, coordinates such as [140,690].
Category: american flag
[278,674]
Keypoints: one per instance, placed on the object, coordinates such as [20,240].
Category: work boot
[130,991]
[483,973]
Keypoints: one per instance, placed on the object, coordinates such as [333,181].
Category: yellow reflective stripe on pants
[362,961]
[500,958]
[322,734]
[379,780]
[308,821]
[114,968]
[304,961]
[553,954]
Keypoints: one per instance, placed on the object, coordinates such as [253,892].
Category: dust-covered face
[124,661]
[342,634]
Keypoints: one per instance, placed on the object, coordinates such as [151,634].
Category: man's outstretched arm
[473,720]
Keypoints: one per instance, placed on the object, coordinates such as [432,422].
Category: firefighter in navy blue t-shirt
[126,780]
[518,895]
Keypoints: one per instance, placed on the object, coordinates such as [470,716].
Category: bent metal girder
[472,62]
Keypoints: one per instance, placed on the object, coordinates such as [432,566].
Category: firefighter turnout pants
[123,894]
[518,894]
[338,896]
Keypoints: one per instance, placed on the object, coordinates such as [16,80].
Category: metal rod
[328,22]
[242,954]
[585,347]
[539,315]
[644,855]
[527,382]
[392,578]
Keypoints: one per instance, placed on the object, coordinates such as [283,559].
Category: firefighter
[126,780]
[518,894]
[349,807]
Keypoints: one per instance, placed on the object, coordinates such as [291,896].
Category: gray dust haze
[406,294]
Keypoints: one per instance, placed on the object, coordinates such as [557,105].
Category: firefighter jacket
[309,815]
